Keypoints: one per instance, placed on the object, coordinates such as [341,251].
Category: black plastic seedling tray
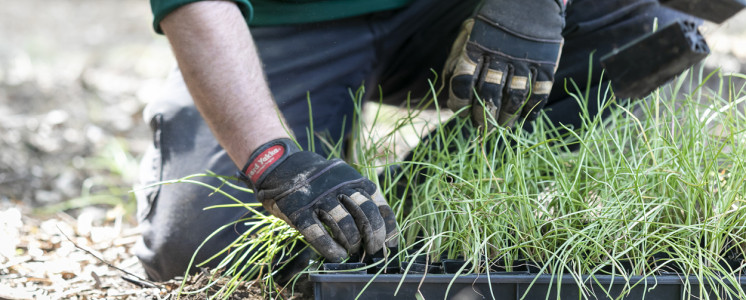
[638,68]
[511,286]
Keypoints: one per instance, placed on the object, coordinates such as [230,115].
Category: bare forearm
[222,70]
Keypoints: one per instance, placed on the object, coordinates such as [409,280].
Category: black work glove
[508,52]
[312,194]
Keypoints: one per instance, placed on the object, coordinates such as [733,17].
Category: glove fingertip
[332,254]
[478,115]
[378,240]
[320,240]
[389,218]
[393,242]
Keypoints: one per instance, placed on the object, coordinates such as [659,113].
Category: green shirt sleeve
[161,8]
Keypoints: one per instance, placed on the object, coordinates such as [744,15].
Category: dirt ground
[74,77]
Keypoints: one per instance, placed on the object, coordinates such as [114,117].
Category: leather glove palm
[313,194]
[508,53]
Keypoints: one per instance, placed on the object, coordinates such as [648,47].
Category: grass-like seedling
[656,186]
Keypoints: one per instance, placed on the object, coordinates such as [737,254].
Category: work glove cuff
[265,159]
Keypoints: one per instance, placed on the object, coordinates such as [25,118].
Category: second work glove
[508,54]
[316,195]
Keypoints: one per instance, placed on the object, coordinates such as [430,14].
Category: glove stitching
[303,183]
[480,47]
[520,35]
[315,200]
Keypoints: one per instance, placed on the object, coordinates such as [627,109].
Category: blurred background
[74,77]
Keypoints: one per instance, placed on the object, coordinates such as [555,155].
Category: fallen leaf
[68,275]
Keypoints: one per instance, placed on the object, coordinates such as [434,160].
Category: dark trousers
[396,50]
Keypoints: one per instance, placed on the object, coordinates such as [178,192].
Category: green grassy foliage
[660,177]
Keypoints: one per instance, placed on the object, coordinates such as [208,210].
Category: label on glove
[263,161]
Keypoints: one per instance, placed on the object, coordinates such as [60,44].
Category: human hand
[508,53]
[312,194]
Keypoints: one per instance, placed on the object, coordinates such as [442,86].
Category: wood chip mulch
[61,257]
